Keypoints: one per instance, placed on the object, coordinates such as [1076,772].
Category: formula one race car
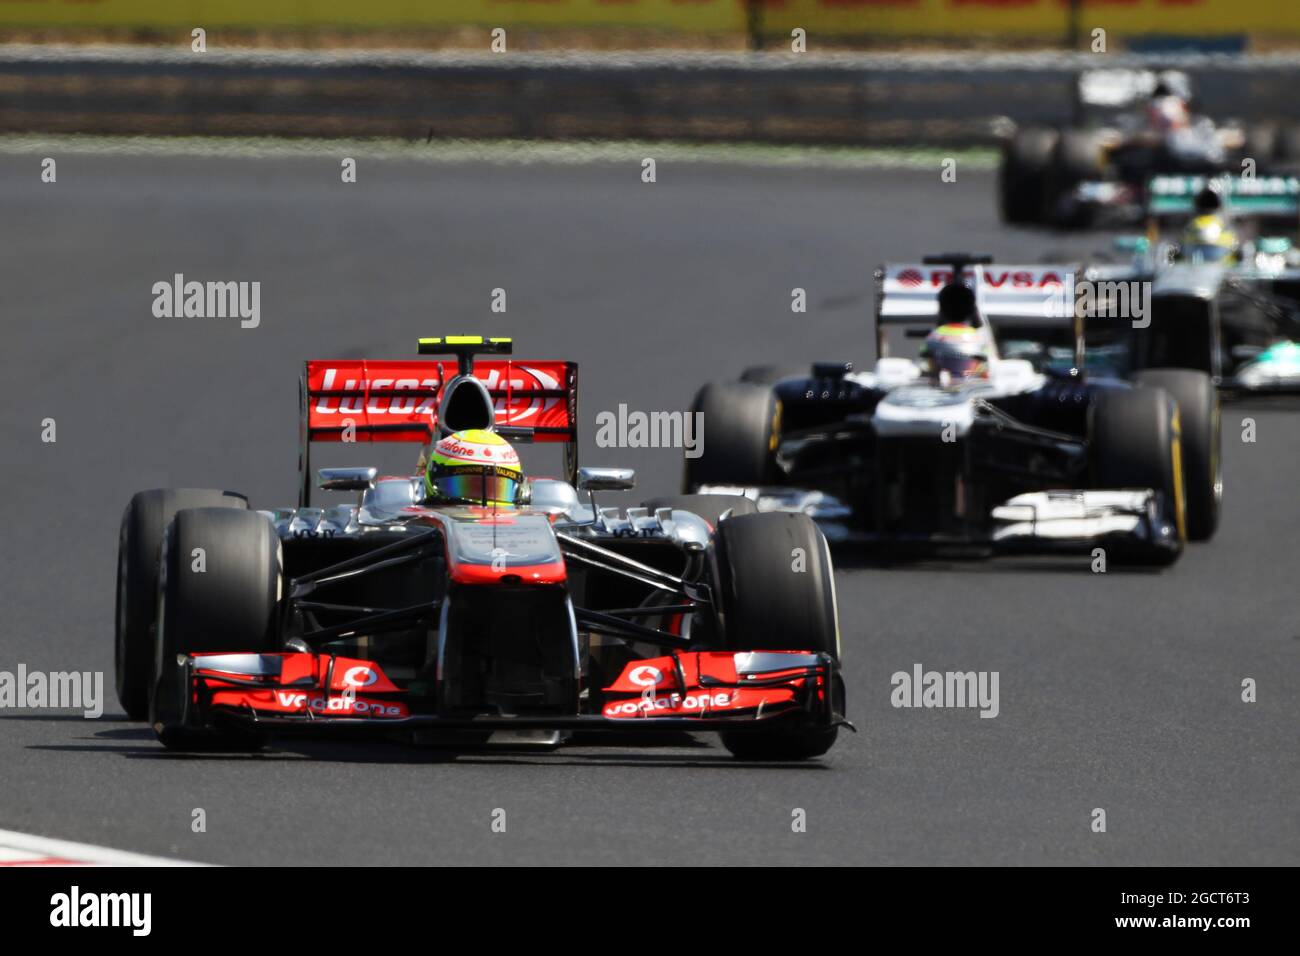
[469,604]
[1225,295]
[967,449]
[1097,167]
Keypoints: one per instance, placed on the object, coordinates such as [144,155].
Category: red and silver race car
[463,624]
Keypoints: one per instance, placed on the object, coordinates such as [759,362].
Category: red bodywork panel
[695,687]
[708,684]
[397,400]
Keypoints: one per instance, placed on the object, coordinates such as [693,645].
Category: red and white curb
[24,849]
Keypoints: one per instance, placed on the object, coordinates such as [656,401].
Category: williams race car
[966,448]
[468,604]
[1128,126]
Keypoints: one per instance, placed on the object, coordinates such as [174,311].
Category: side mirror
[606,479]
[345,479]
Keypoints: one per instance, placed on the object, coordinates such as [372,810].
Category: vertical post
[754,23]
[1072,26]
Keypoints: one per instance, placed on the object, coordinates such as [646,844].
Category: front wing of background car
[690,691]
[1135,521]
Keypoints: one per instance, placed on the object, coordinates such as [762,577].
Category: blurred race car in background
[1129,125]
[469,620]
[1035,449]
[1225,293]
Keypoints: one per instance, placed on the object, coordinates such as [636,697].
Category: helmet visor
[957,366]
[485,487]
[1205,252]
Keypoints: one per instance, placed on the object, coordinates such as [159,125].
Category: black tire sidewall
[1200,421]
[740,426]
[234,605]
[140,536]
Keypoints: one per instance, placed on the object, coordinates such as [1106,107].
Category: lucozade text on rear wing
[414,400]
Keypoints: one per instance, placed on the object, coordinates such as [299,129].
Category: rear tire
[1288,147]
[1134,445]
[770,374]
[1076,158]
[143,523]
[1200,429]
[741,423]
[766,605]
[233,605]
[1021,175]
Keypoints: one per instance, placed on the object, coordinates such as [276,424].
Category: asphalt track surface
[1117,691]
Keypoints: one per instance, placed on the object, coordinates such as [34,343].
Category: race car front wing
[691,691]
[1049,522]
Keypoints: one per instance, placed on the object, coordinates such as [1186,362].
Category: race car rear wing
[1261,197]
[1123,88]
[365,400]
[908,293]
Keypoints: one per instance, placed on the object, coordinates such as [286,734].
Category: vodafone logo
[910,278]
[645,676]
[700,701]
[359,677]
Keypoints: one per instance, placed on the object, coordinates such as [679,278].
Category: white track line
[25,849]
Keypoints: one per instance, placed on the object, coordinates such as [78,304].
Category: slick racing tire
[220,590]
[768,605]
[143,523]
[1076,157]
[741,423]
[1021,175]
[1200,429]
[1134,444]
[1288,147]
[709,507]
[770,374]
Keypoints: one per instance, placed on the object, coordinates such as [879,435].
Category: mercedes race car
[1128,126]
[1230,307]
[469,604]
[1000,454]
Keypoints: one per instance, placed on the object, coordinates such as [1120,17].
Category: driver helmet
[1208,238]
[473,467]
[1166,111]
[955,351]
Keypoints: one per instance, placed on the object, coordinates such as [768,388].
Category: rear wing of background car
[1260,197]
[407,400]
[1120,88]
[908,293]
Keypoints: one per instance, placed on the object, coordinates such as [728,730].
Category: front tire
[143,522]
[769,605]
[220,590]
[1200,437]
[1134,444]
